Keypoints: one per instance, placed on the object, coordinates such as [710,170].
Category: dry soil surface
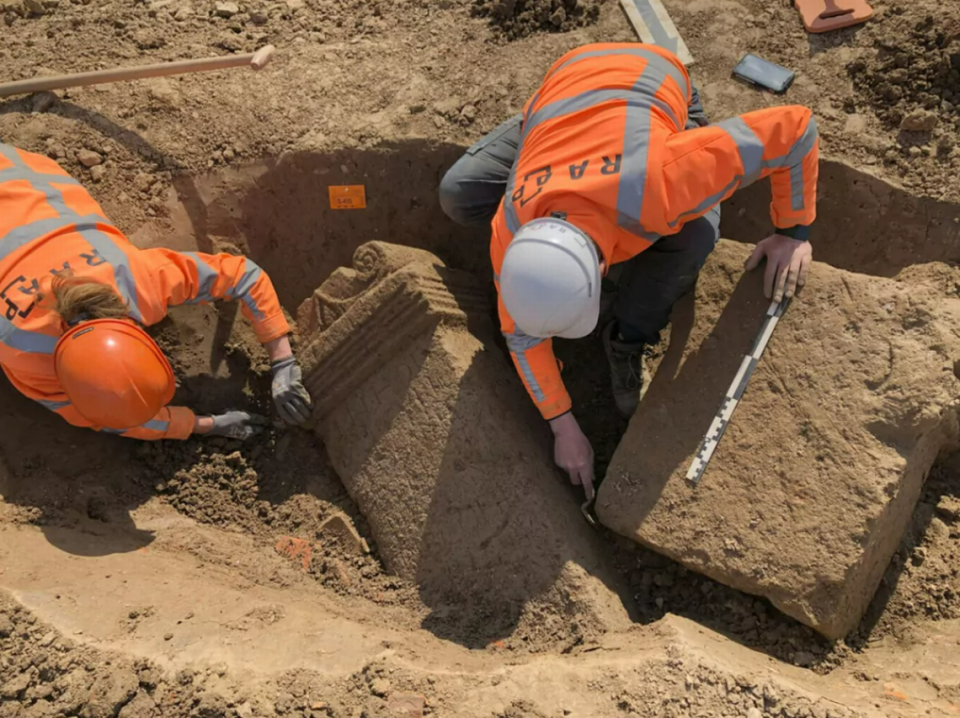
[387,93]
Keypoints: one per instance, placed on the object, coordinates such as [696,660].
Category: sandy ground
[146,579]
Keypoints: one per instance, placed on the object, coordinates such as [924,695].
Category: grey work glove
[289,394]
[238,425]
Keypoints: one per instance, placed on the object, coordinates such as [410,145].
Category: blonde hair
[80,299]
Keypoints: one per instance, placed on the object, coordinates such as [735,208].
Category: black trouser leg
[653,281]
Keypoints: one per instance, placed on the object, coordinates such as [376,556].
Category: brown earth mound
[520,18]
[44,673]
[59,677]
[252,489]
[915,78]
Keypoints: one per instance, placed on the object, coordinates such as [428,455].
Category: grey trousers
[649,284]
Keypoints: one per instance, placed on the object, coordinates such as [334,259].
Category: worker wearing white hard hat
[550,280]
[613,165]
[551,285]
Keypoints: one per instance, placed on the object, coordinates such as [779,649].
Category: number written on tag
[348,197]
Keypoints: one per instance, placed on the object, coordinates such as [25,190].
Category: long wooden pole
[255,60]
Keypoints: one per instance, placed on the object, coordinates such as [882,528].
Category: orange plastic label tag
[348,197]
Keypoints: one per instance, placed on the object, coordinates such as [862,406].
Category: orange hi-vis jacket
[603,143]
[50,224]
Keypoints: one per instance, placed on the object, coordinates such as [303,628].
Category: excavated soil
[387,94]
[59,676]
[923,580]
[916,76]
[520,18]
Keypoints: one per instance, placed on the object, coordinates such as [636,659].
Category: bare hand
[788,263]
[572,452]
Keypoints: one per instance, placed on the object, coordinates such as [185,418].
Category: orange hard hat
[113,373]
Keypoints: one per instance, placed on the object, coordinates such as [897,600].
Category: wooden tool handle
[255,61]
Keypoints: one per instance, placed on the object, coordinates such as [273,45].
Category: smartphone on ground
[763,73]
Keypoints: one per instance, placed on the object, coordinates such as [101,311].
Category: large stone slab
[432,437]
[814,482]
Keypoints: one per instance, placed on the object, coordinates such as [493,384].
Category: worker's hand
[788,263]
[289,394]
[238,425]
[572,452]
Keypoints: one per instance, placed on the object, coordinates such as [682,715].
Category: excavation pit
[209,562]
[218,580]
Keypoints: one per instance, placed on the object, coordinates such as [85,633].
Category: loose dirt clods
[43,673]
[918,71]
[520,18]
[228,491]
[234,569]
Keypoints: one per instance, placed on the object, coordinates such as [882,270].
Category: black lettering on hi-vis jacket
[543,175]
[95,259]
[65,269]
[31,288]
[611,167]
[13,310]
[578,171]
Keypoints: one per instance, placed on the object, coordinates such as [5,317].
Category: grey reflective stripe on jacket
[85,225]
[640,101]
[519,344]
[157,425]
[750,147]
[52,405]
[243,288]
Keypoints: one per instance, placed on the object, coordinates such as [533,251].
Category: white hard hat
[550,280]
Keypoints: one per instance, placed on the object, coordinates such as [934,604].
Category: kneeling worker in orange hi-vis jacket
[613,163]
[75,296]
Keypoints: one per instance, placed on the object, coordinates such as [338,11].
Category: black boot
[627,374]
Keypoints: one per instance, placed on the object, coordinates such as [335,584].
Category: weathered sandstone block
[432,435]
[814,482]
